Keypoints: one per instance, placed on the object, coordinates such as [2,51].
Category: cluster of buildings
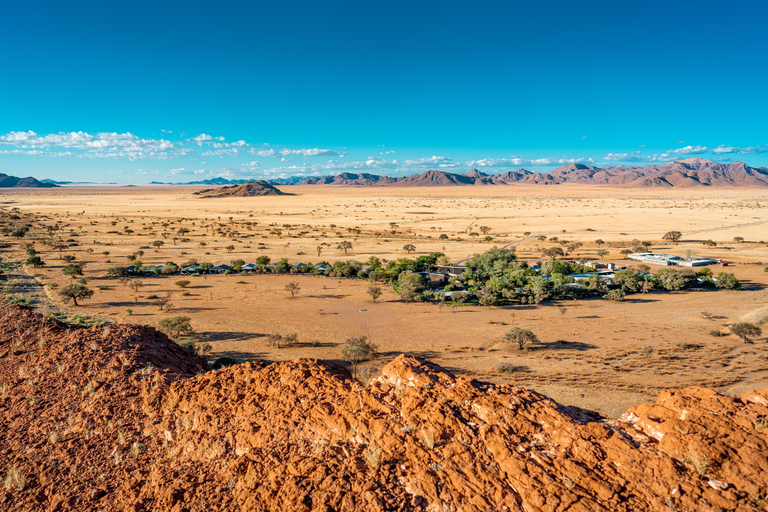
[667,260]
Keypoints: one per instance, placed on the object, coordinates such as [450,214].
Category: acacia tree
[345,246]
[409,248]
[73,270]
[74,292]
[521,337]
[745,331]
[158,244]
[175,326]
[672,236]
[35,261]
[553,252]
[357,349]
[135,284]
[485,230]
[374,292]
[292,288]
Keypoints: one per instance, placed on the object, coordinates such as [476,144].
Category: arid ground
[596,354]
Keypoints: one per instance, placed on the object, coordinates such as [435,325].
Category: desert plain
[597,354]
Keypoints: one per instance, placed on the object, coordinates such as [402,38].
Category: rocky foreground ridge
[121,418]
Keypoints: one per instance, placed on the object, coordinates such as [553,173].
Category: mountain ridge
[7,181]
[692,172]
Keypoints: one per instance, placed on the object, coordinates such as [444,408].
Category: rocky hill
[121,418]
[7,181]
[250,189]
[693,172]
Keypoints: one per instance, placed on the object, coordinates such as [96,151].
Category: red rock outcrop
[121,418]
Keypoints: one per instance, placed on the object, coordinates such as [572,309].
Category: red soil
[90,426]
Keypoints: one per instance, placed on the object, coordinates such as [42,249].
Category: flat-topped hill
[250,189]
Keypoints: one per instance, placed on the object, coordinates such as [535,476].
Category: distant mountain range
[7,181]
[293,180]
[693,172]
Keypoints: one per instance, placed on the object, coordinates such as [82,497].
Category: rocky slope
[693,172]
[250,189]
[120,418]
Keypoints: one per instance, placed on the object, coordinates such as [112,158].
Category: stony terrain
[121,418]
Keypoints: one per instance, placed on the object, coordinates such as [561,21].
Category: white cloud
[100,145]
[271,153]
[430,161]
[691,150]
[752,150]
[516,162]
[203,137]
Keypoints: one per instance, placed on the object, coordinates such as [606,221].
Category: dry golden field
[597,354]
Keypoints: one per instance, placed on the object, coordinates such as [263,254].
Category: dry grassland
[597,354]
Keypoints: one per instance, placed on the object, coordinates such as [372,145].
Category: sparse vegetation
[745,330]
[357,349]
[520,337]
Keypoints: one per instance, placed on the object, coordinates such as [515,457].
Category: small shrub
[372,456]
[699,462]
[14,480]
[716,333]
[223,362]
[507,368]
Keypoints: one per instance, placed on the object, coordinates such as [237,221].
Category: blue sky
[176,91]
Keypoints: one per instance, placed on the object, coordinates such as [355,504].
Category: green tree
[75,292]
[627,280]
[727,281]
[73,270]
[117,271]
[410,284]
[553,252]
[183,283]
[175,326]
[158,244]
[230,248]
[521,337]
[35,261]
[488,298]
[615,294]
[357,349]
